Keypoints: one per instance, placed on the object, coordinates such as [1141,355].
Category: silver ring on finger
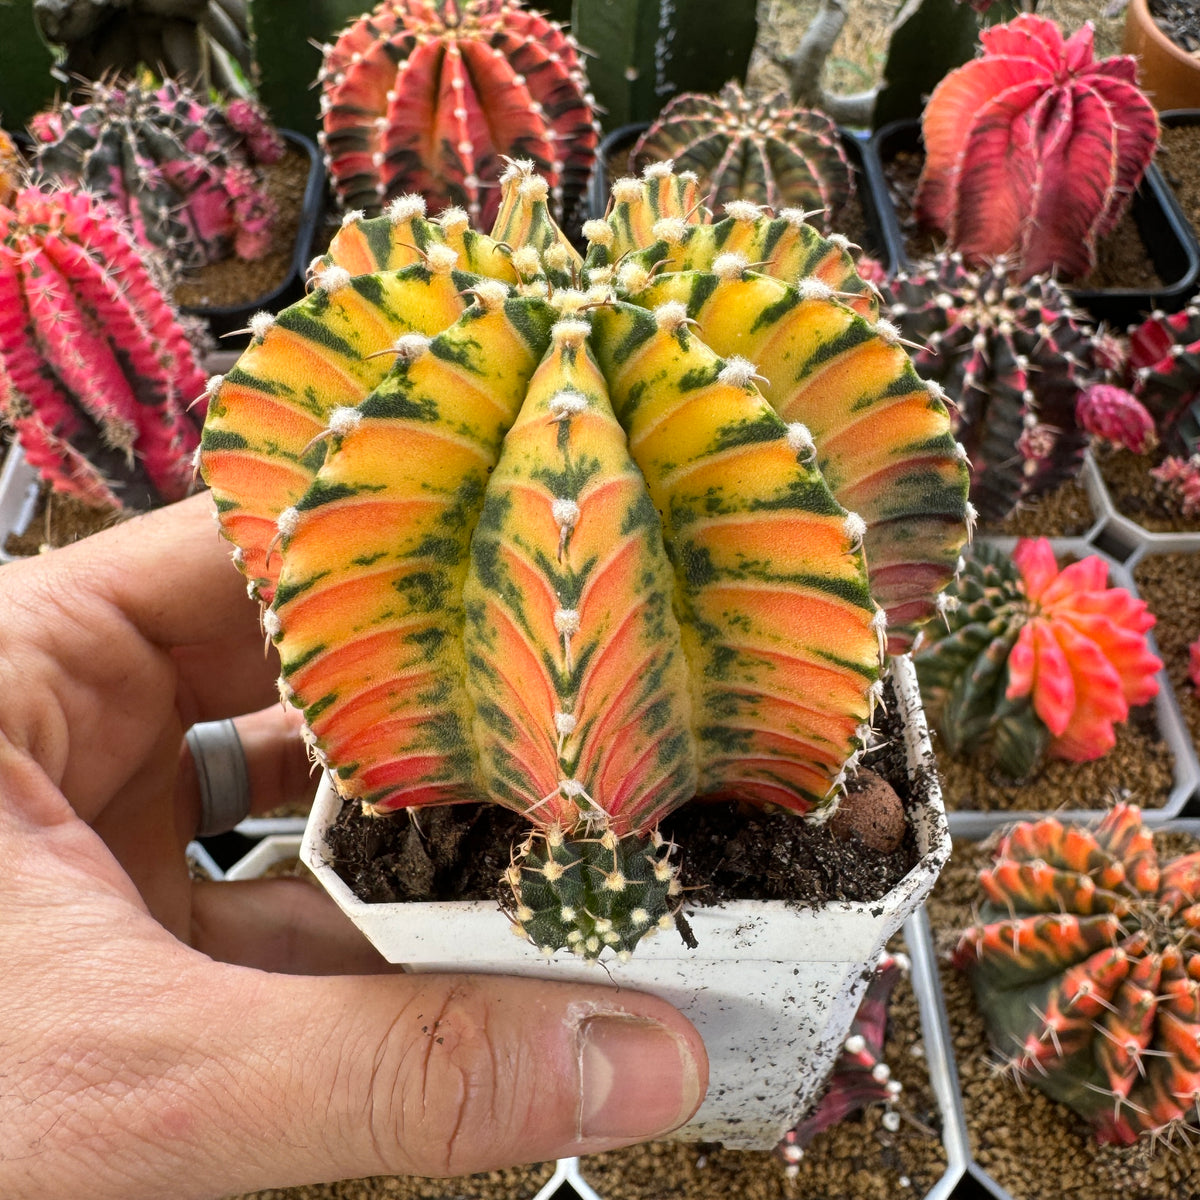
[221,774]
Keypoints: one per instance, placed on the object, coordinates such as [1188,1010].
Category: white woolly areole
[840,240]
[573,332]
[556,257]
[936,390]
[572,788]
[659,170]
[565,513]
[441,259]
[288,521]
[272,625]
[671,316]
[453,219]
[329,280]
[564,723]
[887,331]
[800,438]
[627,191]
[671,230]
[599,233]
[405,208]
[284,689]
[633,277]
[794,216]
[814,289]
[517,168]
[568,300]
[491,294]
[730,267]
[212,385]
[343,420]
[355,214]
[743,210]
[879,621]
[855,528]
[196,458]
[566,620]
[533,188]
[410,346]
[960,452]
[261,322]
[527,261]
[598,293]
[737,371]
[601,278]
[566,404]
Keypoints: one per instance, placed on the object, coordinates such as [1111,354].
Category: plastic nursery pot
[1185,770]
[1166,236]
[1166,71]
[856,146]
[928,944]
[223,320]
[1121,536]
[1186,188]
[772,988]
[18,495]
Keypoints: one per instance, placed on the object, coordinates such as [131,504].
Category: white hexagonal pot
[772,987]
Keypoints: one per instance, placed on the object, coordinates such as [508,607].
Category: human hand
[163,1037]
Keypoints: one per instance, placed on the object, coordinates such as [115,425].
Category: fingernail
[638,1080]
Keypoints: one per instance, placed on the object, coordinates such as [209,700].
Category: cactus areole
[585,538]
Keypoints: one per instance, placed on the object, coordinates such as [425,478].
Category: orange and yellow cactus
[576,535]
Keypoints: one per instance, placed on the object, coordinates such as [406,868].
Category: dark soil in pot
[856,1160]
[1136,495]
[1031,1145]
[233,281]
[1179,161]
[1123,261]
[1063,512]
[1179,20]
[58,520]
[1170,585]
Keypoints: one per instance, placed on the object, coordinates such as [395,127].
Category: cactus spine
[96,373]
[536,530]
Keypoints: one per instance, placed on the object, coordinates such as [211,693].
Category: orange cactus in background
[1083,656]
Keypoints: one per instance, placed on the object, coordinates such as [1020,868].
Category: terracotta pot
[1169,74]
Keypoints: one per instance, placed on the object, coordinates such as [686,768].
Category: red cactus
[1116,416]
[428,96]
[96,374]
[1164,368]
[1082,656]
[1034,149]
[1194,664]
[1086,965]
[1179,481]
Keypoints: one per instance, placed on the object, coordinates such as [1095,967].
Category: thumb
[453,1074]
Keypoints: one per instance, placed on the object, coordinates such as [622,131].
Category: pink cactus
[96,373]
[1194,664]
[1034,149]
[1178,479]
[249,118]
[1116,416]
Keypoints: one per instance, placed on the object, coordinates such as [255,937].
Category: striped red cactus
[1164,369]
[1086,967]
[1032,659]
[430,96]
[1034,149]
[96,373]
[537,530]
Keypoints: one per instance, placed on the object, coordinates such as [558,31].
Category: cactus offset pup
[569,536]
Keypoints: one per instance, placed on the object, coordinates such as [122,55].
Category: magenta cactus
[430,96]
[1034,149]
[1164,369]
[1117,417]
[96,374]
[1179,481]
[1194,663]
[183,171]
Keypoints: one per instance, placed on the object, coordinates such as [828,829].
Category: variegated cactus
[429,96]
[1034,149]
[1086,966]
[1034,660]
[770,152]
[97,375]
[585,538]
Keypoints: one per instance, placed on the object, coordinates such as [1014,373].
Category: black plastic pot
[224,320]
[1169,240]
[857,151]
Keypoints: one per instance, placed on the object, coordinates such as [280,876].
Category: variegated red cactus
[1086,967]
[537,531]
[97,375]
[1034,149]
[430,96]
[1033,660]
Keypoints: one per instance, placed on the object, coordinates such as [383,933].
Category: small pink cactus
[250,120]
[1116,416]
[1178,479]
[1034,149]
